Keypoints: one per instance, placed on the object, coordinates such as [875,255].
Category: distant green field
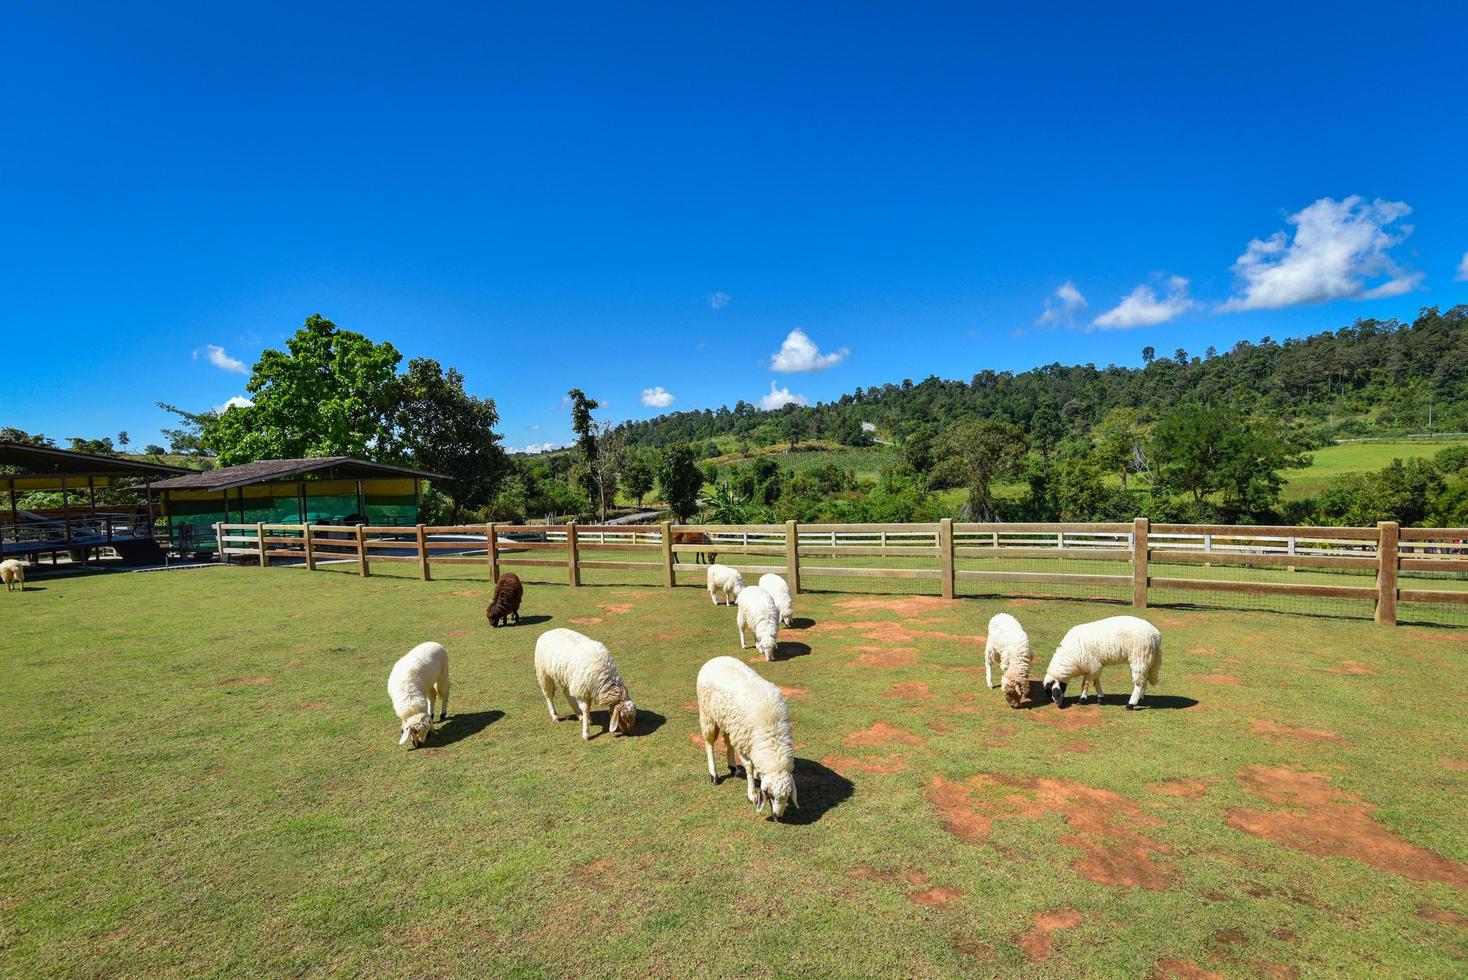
[1333,462]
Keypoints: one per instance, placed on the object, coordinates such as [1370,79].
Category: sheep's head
[767,648]
[1016,687]
[624,717]
[1056,689]
[778,791]
[416,730]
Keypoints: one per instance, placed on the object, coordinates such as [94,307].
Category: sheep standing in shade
[506,602]
[12,573]
[758,612]
[780,592]
[583,669]
[751,714]
[1117,640]
[1008,647]
[724,582]
[416,681]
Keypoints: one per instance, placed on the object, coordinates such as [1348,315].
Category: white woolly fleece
[754,720]
[758,613]
[420,677]
[780,592]
[724,583]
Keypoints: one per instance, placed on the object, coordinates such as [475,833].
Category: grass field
[204,778]
[1330,463]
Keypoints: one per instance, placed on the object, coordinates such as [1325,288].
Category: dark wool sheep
[506,602]
[697,537]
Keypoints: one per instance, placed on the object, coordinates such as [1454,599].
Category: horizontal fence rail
[1136,558]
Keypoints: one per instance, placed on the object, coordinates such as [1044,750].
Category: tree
[917,450]
[606,466]
[974,454]
[11,434]
[679,481]
[123,439]
[153,449]
[97,447]
[1118,439]
[1203,451]
[637,477]
[586,432]
[1149,354]
[444,429]
[332,392]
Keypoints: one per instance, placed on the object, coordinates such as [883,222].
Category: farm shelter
[81,526]
[325,490]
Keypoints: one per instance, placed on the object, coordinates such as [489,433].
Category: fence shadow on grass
[462,726]
[819,790]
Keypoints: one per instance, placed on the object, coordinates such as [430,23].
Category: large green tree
[637,477]
[331,392]
[442,428]
[679,481]
[975,453]
[1204,451]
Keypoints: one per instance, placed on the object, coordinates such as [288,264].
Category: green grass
[1330,463]
[203,777]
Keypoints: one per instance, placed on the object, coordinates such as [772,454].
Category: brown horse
[697,537]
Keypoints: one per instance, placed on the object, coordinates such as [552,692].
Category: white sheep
[583,669]
[724,582]
[416,681]
[758,612]
[751,714]
[12,573]
[1116,640]
[780,592]
[1008,647]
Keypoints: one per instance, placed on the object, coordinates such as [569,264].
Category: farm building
[324,490]
[92,502]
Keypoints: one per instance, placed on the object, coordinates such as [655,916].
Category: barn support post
[669,580]
[1386,573]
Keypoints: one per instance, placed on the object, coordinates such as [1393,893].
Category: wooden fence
[1145,556]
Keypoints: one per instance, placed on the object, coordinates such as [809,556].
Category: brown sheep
[506,602]
[697,537]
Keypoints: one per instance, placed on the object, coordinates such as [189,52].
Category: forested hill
[1375,376]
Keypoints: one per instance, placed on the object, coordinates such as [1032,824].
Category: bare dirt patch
[884,657]
[909,690]
[1036,942]
[689,706]
[1079,747]
[897,604]
[897,633]
[586,621]
[1317,818]
[1457,765]
[881,734]
[1185,970]
[1228,679]
[1261,726]
[1434,914]
[935,897]
[1105,826]
[460,634]
[1201,651]
[1072,719]
[792,692]
[616,608]
[246,682]
[940,726]
[1184,789]
[885,766]
[1350,668]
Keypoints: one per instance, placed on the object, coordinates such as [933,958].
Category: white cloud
[238,401]
[719,300]
[1065,305]
[1338,248]
[1142,307]
[215,355]
[657,397]
[533,427]
[799,353]
[780,397]
[536,447]
[1462,269]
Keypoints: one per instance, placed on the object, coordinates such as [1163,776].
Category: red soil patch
[896,633]
[888,766]
[1105,826]
[1073,719]
[898,604]
[1323,820]
[616,608]
[911,690]
[1079,747]
[935,897]
[1036,942]
[1228,679]
[697,739]
[792,692]
[1185,789]
[1276,971]
[940,726]
[1185,970]
[586,621]
[245,682]
[881,734]
[1201,651]
[1457,765]
[314,705]
[689,705]
[460,634]
[1261,726]
[1434,914]
[884,657]
[1350,668]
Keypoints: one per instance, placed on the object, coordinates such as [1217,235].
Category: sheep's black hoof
[714,779]
[1133,707]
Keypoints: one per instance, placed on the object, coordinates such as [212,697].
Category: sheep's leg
[988,669]
[586,720]
[548,688]
[1096,683]
[443,698]
[1139,686]
[736,762]
[739,622]
[710,735]
[712,597]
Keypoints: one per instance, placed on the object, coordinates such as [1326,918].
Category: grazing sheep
[726,582]
[12,573]
[751,714]
[1008,646]
[757,610]
[506,602]
[1089,647]
[697,537]
[583,669]
[416,681]
[780,592]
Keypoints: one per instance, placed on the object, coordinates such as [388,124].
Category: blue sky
[631,197]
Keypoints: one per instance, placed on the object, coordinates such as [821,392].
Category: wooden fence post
[219,543]
[1386,573]
[945,554]
[423,573]
[362,569]
[573,570]
[1139,563]
[792,556]
[260,543]
[310,551]
[669,580]
[492,550]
